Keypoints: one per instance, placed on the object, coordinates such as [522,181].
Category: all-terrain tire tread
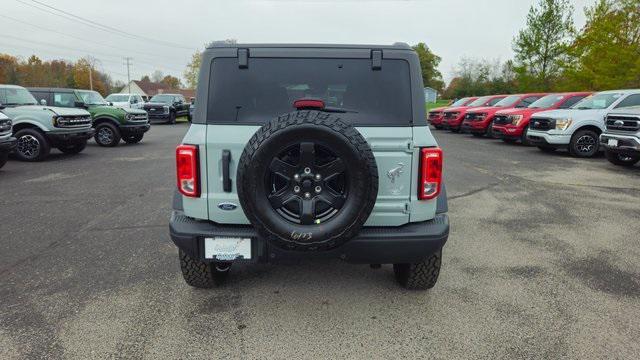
[318,118]
[420,276]
[197,273]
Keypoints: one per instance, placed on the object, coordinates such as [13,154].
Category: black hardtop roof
[395,46]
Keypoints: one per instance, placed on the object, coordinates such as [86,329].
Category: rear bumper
[410,243]
[7,144]
[629,145]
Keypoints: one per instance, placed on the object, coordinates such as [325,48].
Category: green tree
[541,47]
[475,77]
[429,62]
[193,70]
[606,52]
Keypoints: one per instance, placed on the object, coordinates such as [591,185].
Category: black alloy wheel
[308,184]
[584,143]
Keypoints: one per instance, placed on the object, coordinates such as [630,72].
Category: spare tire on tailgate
[307,181]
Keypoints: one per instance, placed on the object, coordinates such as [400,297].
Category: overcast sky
[451,28]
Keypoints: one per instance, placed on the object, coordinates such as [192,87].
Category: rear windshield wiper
[338,110]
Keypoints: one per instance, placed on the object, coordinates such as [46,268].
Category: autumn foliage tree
[55,73]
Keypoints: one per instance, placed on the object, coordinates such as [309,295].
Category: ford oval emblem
[227,206]
[618,123]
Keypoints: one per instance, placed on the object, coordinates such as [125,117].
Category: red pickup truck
[436,115]
[511,125]
[452,118]
[479,122]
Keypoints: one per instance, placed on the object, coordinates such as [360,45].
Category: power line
[73,36]
[60,54]
[69,16]
[149,65]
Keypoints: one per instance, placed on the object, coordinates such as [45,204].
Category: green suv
[310,151]
[111,123]
[38,128]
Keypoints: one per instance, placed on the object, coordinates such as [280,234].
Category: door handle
[226,180]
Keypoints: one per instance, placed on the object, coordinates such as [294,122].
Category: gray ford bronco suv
[309,151]
[38,128]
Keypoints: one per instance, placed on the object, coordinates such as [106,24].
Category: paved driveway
[542,262]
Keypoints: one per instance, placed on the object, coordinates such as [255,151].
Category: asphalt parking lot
[542,262]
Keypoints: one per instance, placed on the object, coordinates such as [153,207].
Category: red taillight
[430,173]
[308,104]
[187,170]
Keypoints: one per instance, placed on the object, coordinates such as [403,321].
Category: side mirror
[1,106]
[80,104]
[110,103]
[43,102]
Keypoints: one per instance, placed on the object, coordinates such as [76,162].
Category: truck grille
[451,115]
[542,124]
[501,120]
[139,117]
[623,123]
[73,121]
[155,110]
[434,114]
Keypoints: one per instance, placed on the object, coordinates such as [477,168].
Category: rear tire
[420,276]
[107,135]
[4,157]
[201,274]
[622,160]
[133,139]
[438,127]
[32,145]
[73,149]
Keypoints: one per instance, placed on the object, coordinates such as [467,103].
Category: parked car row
[163,107]
[35,120]
[582,123]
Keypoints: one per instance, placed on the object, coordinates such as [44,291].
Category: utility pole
[90,78]
[128,65]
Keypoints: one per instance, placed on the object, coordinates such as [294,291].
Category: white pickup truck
[578,129]
[621,139]
[131,101]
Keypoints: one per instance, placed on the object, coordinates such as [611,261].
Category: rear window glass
[269,86]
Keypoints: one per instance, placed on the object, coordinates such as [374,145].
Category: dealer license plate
[613,142]
[227,248]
